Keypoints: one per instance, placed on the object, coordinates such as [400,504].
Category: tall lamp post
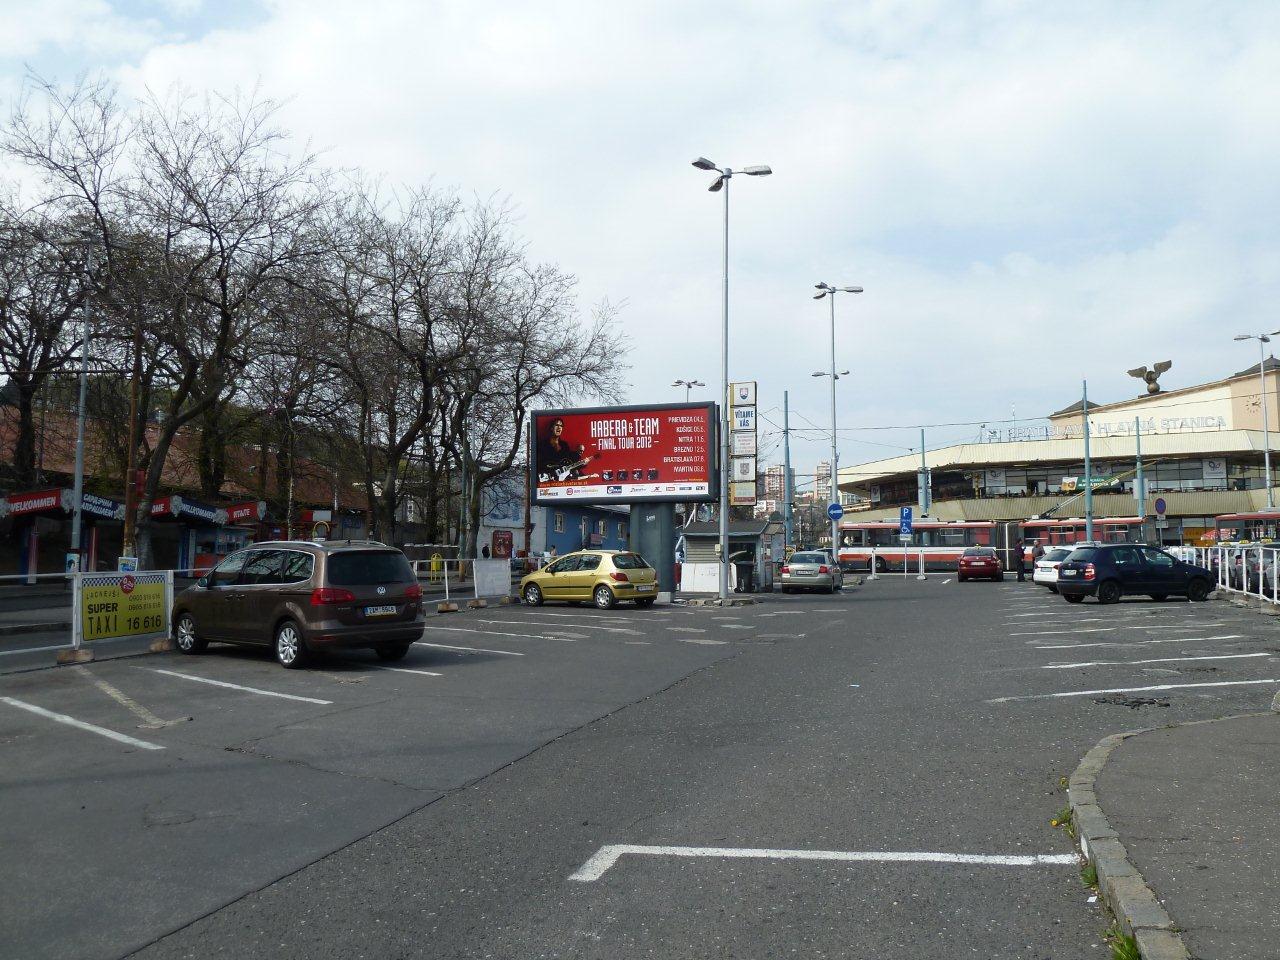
[724,175]
[1263,339]
[826,290]
[688,385]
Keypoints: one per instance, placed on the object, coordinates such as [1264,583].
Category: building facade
[1201,453]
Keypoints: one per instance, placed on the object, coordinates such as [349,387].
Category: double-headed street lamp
[688,385]
[1263,339]
[826,290]
[722,183]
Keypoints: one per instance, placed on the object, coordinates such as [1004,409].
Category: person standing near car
[1016,550]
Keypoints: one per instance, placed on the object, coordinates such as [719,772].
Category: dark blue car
[1113,570]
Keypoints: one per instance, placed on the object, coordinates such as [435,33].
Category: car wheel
[392,651]
[1073,597]
[184,635]
[533,595]
[290,651]
[831,589]
[645,601]
[962,579]
[1198,590]
[998,578]
[603,597]
[787,590]
[1159,597]
[1109,592]
[1053,589]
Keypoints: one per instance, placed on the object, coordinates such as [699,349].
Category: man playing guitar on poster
[558,459]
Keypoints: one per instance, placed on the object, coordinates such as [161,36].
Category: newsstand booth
[186,535]
[38,524]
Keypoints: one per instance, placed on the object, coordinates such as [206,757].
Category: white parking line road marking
[425,673]
[607,856]
[702,640]
[1162,686]
[80,724]
[446,646]
[553,626]
[647,618]
[686,629]
[1051,633]
[498,633]
[1127,663]
[236,686]
[1135,643]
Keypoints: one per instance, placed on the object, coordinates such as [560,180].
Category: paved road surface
[447,812]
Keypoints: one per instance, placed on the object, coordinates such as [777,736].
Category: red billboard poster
[502,543]
[624,454]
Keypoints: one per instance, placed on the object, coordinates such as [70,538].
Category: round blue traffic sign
[835,511]
[1160,505]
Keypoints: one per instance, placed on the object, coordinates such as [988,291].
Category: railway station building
[1202,453]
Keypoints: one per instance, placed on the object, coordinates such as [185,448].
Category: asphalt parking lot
[870,774]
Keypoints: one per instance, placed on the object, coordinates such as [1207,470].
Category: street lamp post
[722,183]
[1263,339]
[826,290]
[688,385]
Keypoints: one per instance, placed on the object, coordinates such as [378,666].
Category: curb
[1122,887]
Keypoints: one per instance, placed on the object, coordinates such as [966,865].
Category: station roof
[970,456]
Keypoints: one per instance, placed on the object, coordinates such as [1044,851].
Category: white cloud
[30,27]
[1030,193]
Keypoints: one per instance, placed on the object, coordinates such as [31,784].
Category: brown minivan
[298,596]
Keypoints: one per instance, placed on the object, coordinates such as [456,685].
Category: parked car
[1111,571]
[1046,569]
[979,562]
[811,570]
[603,577]
[1253,567]
[297,597]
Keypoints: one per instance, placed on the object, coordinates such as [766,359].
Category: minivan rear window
[1082,554]
[368,566]
[629,561]
[979,552]
[809,558]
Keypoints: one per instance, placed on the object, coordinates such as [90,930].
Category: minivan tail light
[1089,571]
[785,568]
[617,577]
[824,569]
[324,596]
[413,591]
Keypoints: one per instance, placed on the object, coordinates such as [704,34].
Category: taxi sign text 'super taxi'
[123,605]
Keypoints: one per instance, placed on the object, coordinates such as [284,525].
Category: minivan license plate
[379,611]
[644,586]
[1067,573]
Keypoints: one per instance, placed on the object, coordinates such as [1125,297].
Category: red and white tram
[940,541]
[1252,527]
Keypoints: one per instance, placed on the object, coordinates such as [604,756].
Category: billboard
[637,454]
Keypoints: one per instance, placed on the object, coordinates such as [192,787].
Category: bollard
[920,575]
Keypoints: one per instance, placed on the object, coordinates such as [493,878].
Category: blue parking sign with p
[904,521]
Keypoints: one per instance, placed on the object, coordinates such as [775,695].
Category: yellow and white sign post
[113,605]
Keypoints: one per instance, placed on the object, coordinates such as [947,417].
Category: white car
[1046,571]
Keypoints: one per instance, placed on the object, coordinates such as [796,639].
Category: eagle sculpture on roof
[1150,377]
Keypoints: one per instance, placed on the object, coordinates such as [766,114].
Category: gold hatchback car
[602,577]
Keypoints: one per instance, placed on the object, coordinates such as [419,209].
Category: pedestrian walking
[1017,559]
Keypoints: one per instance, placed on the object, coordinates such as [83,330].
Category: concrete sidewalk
[1194,807]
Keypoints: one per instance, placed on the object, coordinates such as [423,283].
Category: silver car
[811,571]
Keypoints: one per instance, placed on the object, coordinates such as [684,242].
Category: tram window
[1115,533]
[980,536]
[951,537]
[883,537]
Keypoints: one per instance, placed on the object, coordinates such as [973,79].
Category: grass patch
[1122,947]
[1066,820]
[1089,875]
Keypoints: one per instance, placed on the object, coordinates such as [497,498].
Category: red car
[979,562]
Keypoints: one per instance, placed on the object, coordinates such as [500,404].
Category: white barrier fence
[1252,571]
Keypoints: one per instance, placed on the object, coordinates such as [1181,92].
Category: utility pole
[76,508]
[127,545]
[1088,465]
[1138,494]
[925,495]
[787,492]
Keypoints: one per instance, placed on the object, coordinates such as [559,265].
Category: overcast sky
[1031,193]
